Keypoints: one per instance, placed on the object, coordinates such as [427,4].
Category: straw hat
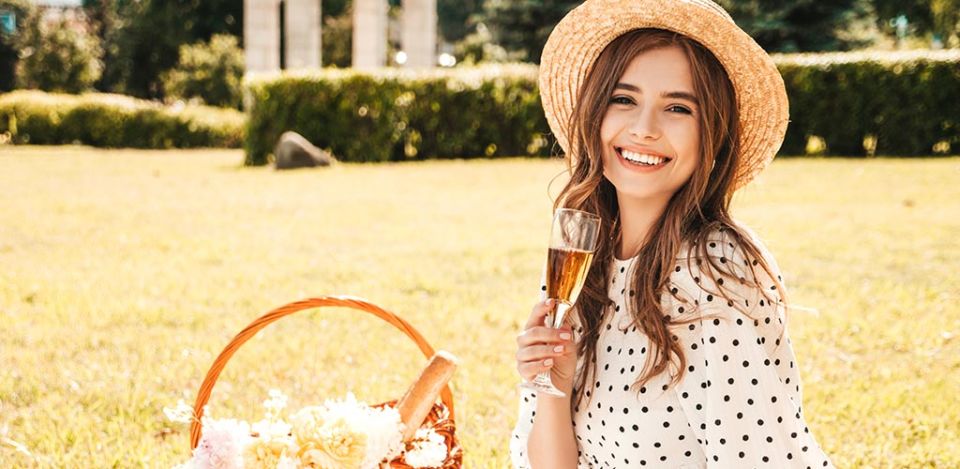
[578,39]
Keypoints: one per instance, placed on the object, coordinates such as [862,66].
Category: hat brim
[585,31]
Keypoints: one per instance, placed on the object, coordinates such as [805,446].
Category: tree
[523,26]
[58,56]
[798,26]
[337,39]
[457,18]
[9,50]
[917,13]
[945,15]
[142,38]
[211,71]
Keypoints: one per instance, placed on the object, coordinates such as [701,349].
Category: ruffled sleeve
[528,400]
[741,391]
[521,432]
[527,410]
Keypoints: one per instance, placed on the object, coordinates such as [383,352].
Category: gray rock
[294,151]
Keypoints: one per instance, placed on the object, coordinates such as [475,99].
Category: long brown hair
[700,207]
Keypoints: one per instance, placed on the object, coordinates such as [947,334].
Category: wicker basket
[440,418]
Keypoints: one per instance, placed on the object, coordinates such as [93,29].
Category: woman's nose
[645,125]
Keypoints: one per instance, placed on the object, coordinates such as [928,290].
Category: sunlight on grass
[124,273]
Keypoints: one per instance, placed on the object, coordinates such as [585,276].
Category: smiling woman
[650,134]
[676,353]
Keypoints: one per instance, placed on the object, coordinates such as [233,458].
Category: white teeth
[642,158]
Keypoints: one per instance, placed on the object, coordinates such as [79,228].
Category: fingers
[540,311]
[544,335]
[544,352]
[529,370]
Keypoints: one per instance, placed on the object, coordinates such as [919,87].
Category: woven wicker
[441,417]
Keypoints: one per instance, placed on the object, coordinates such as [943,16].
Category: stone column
[302,18]
[369,33]
[419,38]
[261,35]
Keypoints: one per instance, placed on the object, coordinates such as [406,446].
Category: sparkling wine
[566,272]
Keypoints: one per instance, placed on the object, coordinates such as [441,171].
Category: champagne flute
[573,240]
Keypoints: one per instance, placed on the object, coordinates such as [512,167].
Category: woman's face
[651,131]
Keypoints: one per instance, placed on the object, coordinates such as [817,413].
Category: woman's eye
[679,109]
[621,100]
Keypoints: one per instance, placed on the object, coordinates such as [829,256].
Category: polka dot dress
[738,404]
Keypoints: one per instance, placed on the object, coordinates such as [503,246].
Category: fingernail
[548,362]
[565,335]
[558,349]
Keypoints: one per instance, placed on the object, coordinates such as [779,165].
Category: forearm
[552,443]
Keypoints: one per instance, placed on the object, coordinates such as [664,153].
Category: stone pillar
[419,38]
[261,35]
[369,33]
[303,33]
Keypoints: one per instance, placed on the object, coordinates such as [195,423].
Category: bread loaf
[415,405]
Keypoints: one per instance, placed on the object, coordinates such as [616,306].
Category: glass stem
[560,314]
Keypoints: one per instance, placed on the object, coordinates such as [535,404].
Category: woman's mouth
[642,160]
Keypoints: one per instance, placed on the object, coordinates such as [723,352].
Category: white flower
[325,443]
[385,435]
[429,450]
[287,463]
[182,413]
[222,444]
[382,426]
[349,432]
[275,404]
[272,445]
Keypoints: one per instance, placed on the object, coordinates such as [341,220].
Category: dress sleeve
[526,411]
[521,432]
[741,391]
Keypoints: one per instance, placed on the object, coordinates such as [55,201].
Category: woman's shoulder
[727,244]
[728,259]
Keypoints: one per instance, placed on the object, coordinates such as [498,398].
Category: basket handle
[263,321]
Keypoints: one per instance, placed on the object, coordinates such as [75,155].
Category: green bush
[107,120]
[58,56]
[211,71]
[889,103]
[902,103]
[398,115]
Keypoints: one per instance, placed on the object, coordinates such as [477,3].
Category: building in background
[286,34]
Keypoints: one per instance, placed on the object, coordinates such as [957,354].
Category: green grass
[124,273]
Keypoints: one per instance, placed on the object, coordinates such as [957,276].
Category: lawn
[123,274]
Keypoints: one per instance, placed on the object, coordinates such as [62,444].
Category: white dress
[737,406]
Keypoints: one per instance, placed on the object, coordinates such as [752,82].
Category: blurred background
[880,63]
[142,223]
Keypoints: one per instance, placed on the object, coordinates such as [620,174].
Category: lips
[642,159]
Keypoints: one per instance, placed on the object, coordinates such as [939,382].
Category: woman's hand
[541,348]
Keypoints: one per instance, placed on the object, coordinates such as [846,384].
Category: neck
[637,218]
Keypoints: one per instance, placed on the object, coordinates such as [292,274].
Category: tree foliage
[209,71]
[57,56]
[523,26]
[9,47]
[798,25]
[142,38]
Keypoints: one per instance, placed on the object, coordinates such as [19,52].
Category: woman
[677,354]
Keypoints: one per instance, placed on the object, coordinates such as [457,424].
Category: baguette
[415,405]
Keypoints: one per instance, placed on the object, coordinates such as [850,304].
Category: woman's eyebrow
[685,95]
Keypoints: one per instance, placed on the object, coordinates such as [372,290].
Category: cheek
[610,126]
[687,141]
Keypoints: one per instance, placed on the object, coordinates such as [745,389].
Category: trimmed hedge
[901,103]
[890,103]
[109,120]
[396,114]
